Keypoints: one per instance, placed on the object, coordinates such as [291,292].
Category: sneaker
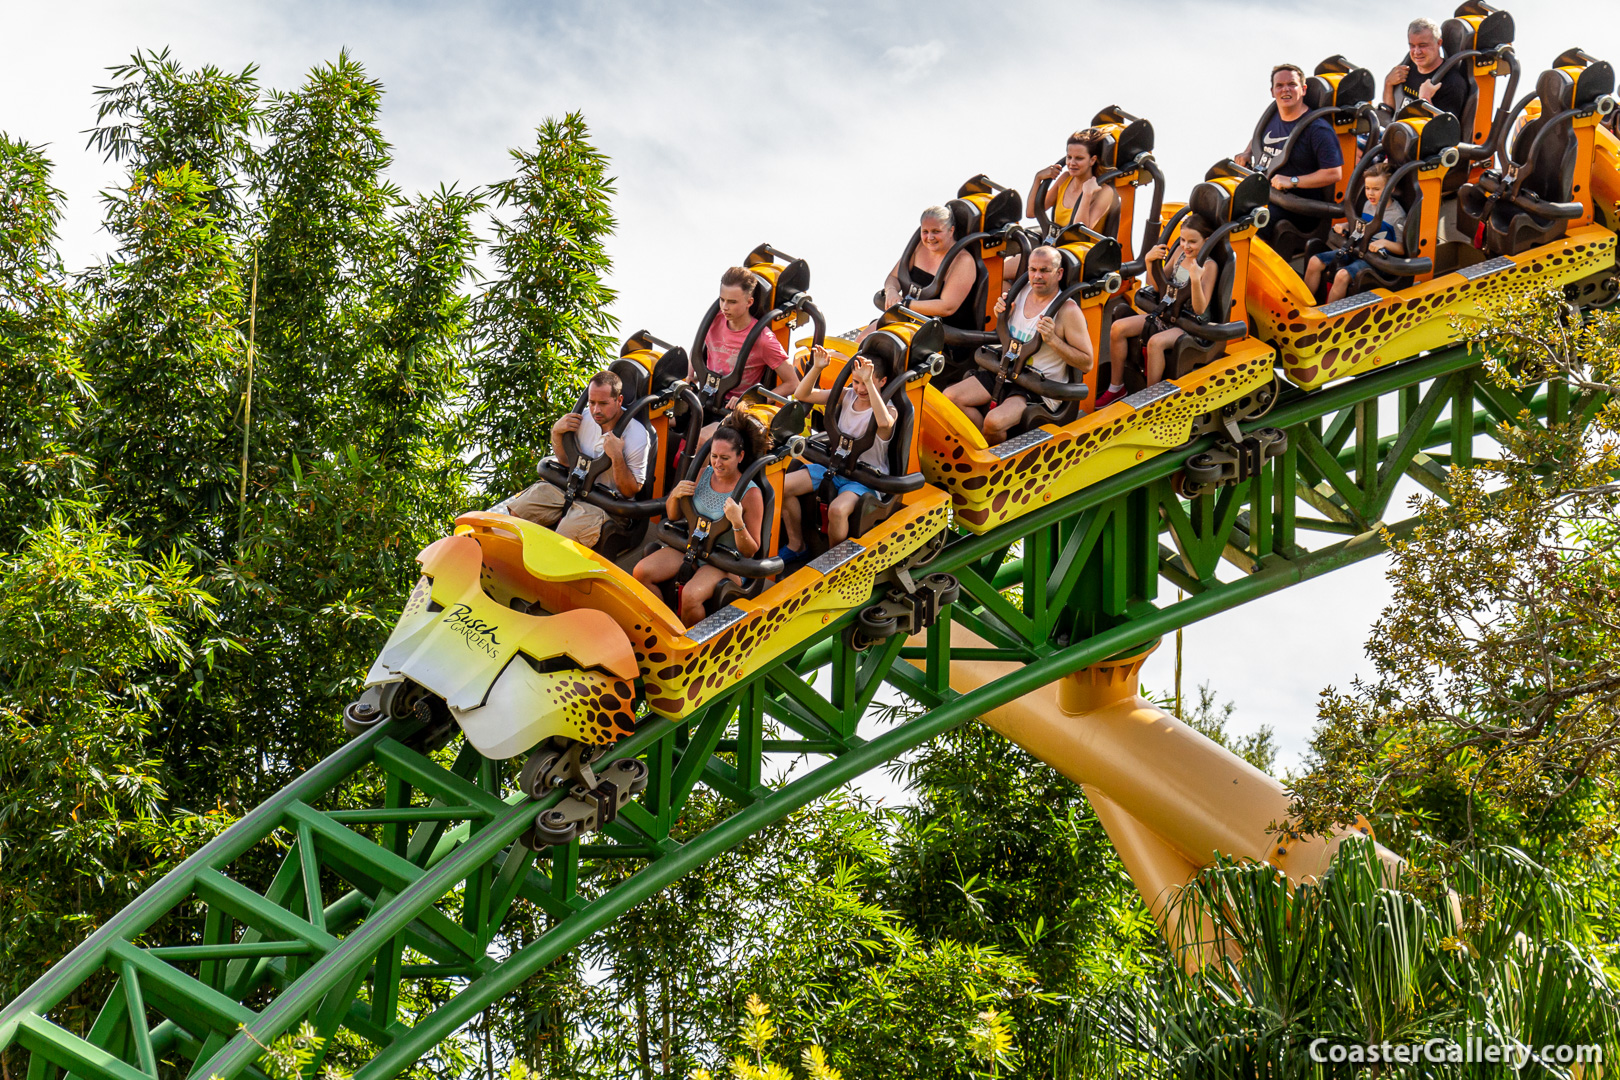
[1110,396]
[789,555]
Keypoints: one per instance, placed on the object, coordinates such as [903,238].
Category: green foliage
[43,385]
[88,629]
[1496,704]
[1358,959]
[158,117]
[543,322]
[1000,851]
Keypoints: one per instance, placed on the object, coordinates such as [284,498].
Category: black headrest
[1591,83]
[633,376]
[886,351]
[964,217]
[1475,28]
[1108,154]
[1456,36]
[760,303]
[792,278]
[1085,259]
[1339,83]
[1210,200]
[1251,193]
[1556,89]
[1137,138]
[1416,138]
[1318,92]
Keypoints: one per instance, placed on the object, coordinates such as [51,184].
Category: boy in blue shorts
[1386,238]
[860,407]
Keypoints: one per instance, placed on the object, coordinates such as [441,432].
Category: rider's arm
[1071,341]
[891,288]
[1104,206]
[1328,156]
[787,376]
[747,537]
[623,478]
[809,389]
[557,434]
[1203,285]
[1321,178]
[1035,186]
[883,414]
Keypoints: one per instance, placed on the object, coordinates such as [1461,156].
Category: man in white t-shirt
[545,504]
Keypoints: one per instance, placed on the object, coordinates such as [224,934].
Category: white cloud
[910,62]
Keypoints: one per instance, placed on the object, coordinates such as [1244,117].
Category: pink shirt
[722,344]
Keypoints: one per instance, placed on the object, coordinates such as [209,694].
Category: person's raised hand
[1396,76]
[820,357]
[684,489]
[1427,89]
[1046,327]
[570,422]
[734,512]
[613,447]
[863,371]
[1155,253]
[1001,304]
[1049,173]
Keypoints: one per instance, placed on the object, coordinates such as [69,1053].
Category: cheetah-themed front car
[532,642]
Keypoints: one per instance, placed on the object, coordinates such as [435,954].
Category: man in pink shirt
[730,329]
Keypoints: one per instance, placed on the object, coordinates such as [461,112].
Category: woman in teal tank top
[713,496]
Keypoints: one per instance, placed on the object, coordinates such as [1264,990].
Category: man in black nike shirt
[1315,163]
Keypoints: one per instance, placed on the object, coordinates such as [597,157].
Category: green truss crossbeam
[368,898]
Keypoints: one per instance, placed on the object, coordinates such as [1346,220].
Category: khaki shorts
[542,503]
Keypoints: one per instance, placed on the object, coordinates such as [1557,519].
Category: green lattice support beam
[428,877]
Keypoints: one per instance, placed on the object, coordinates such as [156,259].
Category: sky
[819,127]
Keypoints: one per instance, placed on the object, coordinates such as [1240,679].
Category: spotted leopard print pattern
[1317,350]
[987,491]
[680,677]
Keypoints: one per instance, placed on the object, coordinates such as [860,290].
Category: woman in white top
[860,406]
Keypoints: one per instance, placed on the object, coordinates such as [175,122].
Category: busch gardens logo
[477,633]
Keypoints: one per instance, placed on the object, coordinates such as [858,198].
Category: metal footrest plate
[835,556]
[1019,443]
[715,623]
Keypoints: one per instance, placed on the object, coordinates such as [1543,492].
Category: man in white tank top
[1051,345]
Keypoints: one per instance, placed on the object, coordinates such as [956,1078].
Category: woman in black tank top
[937,232]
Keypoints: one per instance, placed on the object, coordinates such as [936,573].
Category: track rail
[430,874]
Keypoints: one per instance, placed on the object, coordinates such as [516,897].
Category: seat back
[1350,91]
[1548,164]
[983,206]
[1420,133]
[1129,165]
[1477,27]
[1220,206]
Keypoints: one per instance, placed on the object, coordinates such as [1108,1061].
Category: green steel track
[430,875]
